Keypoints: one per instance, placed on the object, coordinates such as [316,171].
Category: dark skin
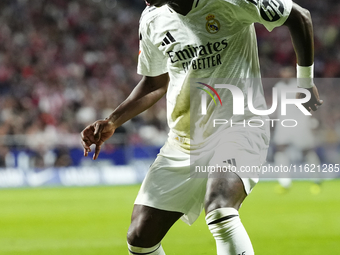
[147,92]
[300,27]
[149,225]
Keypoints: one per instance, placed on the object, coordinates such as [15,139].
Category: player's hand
[96,133]
[314,102]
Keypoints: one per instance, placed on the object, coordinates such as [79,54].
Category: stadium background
[66,63]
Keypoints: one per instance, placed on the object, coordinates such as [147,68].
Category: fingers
[314,104]
[87,148]
[96,152]
[313,107]
[316,101]
[92,134]
[85,142]
[98,128]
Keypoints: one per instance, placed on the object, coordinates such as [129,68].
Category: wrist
[112,121]
[305,75]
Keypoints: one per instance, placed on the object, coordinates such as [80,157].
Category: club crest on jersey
[212,25]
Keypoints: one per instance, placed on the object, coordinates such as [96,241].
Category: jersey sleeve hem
[150,74]
[288,10]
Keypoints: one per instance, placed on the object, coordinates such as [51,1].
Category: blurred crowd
[66,63]
[276,49]
[276,54]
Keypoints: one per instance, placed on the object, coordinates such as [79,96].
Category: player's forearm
[144,95]
[300,26]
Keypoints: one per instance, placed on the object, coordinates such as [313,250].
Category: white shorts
[170,184]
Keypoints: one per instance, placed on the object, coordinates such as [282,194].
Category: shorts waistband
[179,139]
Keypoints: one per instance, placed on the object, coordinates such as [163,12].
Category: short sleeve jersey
[215,41]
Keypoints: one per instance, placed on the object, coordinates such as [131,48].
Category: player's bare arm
[148,91]
[300,26]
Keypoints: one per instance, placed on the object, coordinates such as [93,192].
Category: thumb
[98,128]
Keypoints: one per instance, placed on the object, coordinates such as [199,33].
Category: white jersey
[216,40]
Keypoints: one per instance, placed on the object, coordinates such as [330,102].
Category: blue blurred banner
[123,166]
[75,176]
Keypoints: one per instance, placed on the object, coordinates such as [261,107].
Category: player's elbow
[306,16]
[299,16]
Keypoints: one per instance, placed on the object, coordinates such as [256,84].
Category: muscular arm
[148,91]
[300,27]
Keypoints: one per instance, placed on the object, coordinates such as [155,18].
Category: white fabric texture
[172,184]
[155,250]
[215,40]
[230,235]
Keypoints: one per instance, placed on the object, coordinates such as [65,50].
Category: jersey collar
[195,4]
